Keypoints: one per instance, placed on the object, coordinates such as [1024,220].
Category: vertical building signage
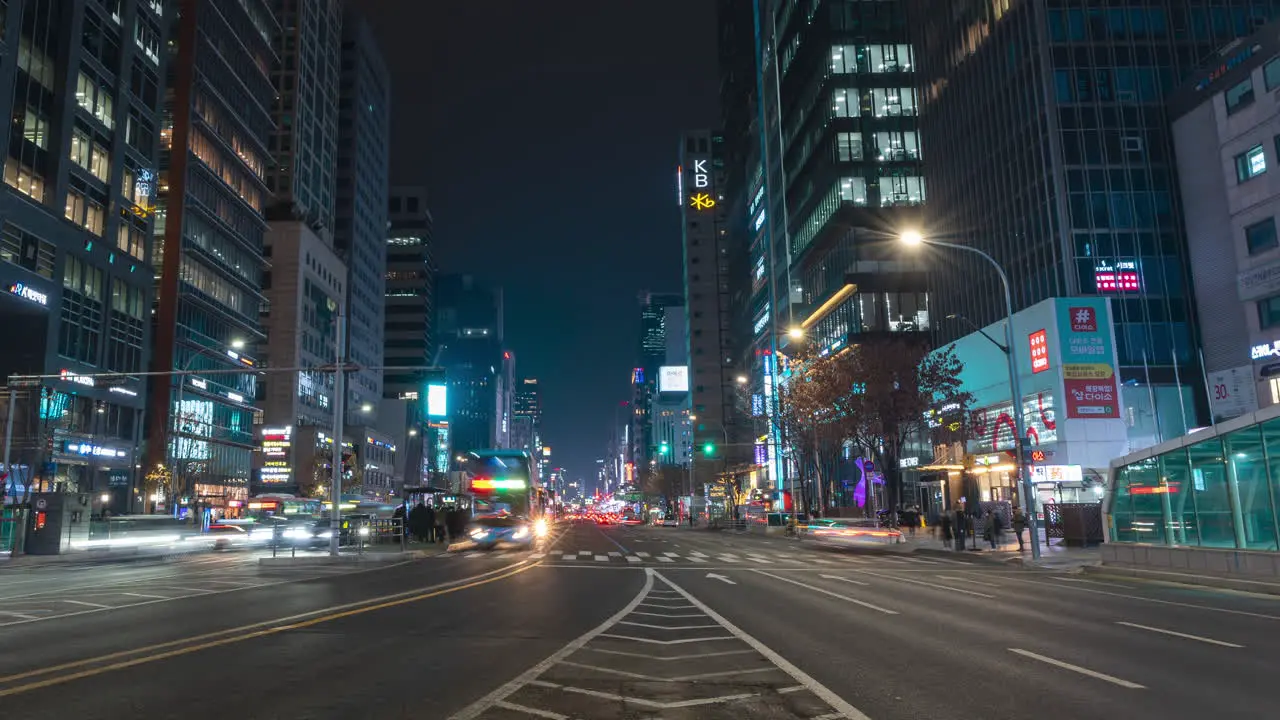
[1039,344]
[701,195]
[1088,359]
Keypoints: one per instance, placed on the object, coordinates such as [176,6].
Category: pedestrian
[960,528]
[418,522]
[431,524]
[913,519]
[1019,524]
[944,524]
[439,529]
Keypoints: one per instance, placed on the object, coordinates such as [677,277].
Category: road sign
[16,381]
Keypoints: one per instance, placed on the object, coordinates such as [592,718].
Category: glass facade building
[1216,488]
[82,85]
[1053,155]
[209,233]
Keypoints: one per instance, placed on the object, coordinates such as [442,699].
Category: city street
[615,622]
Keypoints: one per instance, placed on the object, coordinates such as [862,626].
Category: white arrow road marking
[721,578]
[657,678]
[641,701]
[535,712]
[843,579]
[679,641]
[664,658]
[1076,668]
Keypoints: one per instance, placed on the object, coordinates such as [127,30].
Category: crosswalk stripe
[643,554]
[537,556]
[585,552]
[729,559]
[758,559]
[633,559]
[615,554]
[602,558]
[665,559]
[557,552]
[697,559]
[697,554]
[671,554]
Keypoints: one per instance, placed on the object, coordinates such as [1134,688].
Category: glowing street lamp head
[796,333]
[911,237]
[742,379]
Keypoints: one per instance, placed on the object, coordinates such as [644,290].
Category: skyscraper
[305,144]
[308,285]
[409,335]
[211,194]
[364,112]
[469,330]
[75,260]
[1049,149]
[658,312]
[526,418]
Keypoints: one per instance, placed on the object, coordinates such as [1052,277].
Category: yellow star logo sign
[702,201]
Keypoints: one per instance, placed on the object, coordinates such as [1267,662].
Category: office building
[307,287]
[1049,149]
[304,146]
[408,345]
[209,258]
[713,362]
[360,230]
[526,418]
[82,86]
[469,330]
[821,162]
[661,323]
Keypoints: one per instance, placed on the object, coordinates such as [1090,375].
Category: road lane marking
[602,558]
[728,559]
[643,554]
[971,581]
[1076,668]
[664,559]
[815,687]
[851,581]
[615,554]
[789,690]
[759,559]
[677,641]
[241,633]
[86,604]
[666,627]
[698,554]
[585,552]
[697,559]
[19,615]
[1175,633]
[1157,601]
[667,615]
[535,712]
[671,554]
[669,658]
[1092,582]
[153,597]
[952,588]
[529,676]
[825,591]
[633,559]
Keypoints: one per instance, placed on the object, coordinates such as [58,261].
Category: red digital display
[1123,277]
[1039,343]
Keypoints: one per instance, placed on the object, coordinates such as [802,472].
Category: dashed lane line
[952,588]
[829,593]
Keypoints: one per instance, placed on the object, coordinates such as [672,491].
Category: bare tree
[888,392]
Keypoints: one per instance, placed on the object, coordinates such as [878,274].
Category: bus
[509,505]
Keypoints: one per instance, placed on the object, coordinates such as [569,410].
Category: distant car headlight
[540,527]
[325,534]
[364,531]
[297,533]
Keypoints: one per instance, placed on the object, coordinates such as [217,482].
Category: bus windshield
[502,483]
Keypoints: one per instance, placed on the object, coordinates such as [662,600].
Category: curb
[1212,581]
[357,559]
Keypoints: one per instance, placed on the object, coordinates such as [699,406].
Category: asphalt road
[613,623]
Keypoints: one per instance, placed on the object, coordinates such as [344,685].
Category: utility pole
[339,411]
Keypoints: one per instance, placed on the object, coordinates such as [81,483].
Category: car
[669,520]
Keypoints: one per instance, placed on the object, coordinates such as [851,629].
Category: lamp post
[914,238]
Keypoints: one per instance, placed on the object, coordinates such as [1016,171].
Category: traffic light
[664,448]
[709,449]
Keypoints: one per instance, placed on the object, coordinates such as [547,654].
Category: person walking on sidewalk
[961,525]
[944,525]
[992,528]
[1019,524]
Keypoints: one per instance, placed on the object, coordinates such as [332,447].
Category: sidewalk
[1052,557]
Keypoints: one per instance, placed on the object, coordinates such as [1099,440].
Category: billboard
[437,400]
[1088,359]
[673,378]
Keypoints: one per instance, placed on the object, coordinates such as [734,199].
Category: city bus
[509,505]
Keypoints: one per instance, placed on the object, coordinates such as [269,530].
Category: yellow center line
[363,607]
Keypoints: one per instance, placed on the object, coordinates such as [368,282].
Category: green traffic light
[709,448]
[664,448]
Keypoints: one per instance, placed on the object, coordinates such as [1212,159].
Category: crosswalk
[738,557]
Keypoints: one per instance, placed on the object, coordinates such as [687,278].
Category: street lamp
[915,238]
[796,333]
[742,379]
[237,344]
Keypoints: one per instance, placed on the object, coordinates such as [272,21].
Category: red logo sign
[1084,319]
[1039,342]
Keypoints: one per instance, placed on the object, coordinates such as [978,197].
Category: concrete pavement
[725,626]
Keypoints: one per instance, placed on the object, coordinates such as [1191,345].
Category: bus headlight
[540,527]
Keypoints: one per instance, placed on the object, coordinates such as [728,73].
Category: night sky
[546,132]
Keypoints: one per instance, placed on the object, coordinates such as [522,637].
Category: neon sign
[27,293]
[1039,342]
[702,201]
[1122,277]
